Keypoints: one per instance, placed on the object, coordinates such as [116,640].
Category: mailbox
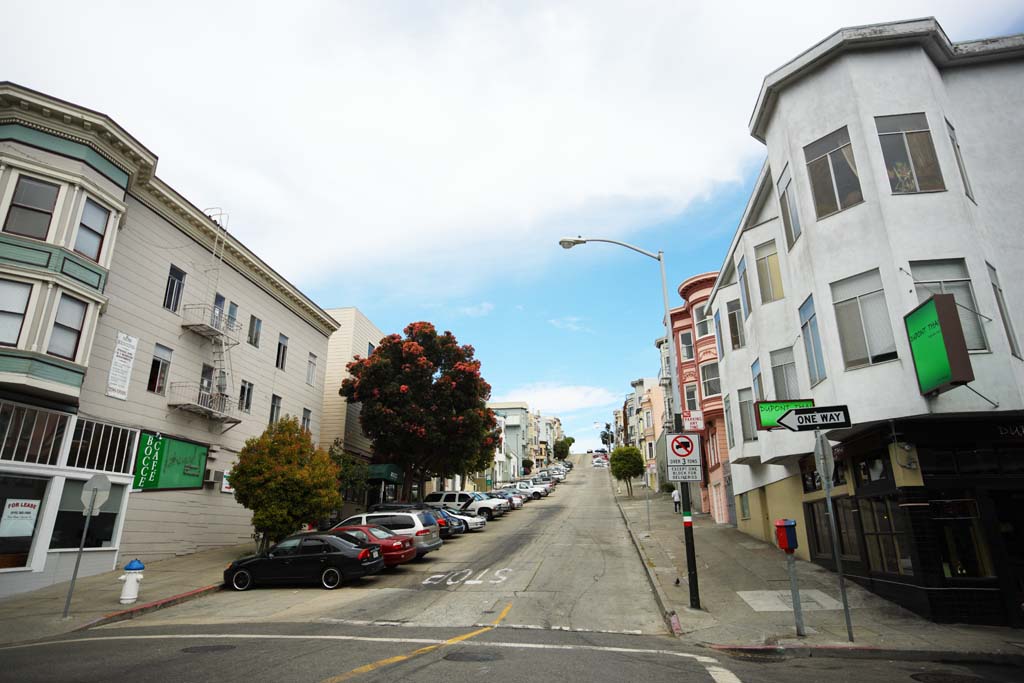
[785,534]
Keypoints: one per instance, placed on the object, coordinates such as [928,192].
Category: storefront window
[67,531]
[872,468]
[845,526]
[961,539]
[812,480]
[886,536]
[21,499]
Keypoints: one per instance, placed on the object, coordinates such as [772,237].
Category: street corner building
[877,265]
[138,339]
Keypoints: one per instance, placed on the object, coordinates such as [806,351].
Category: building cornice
[925,33]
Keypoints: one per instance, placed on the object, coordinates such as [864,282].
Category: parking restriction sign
[683,462]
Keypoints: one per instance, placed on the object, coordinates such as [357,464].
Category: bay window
[31,208]
[67,327]
[13,304]
[909,154]
[950,276]
[832,170]
[865,331]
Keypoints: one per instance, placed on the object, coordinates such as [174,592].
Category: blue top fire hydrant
[131,578]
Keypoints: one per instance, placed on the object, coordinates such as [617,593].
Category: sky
[420,160]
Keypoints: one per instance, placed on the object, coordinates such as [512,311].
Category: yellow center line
[380,663]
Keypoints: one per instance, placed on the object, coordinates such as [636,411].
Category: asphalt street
[551,592]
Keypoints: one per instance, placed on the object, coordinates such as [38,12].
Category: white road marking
[462,576]
[721,675]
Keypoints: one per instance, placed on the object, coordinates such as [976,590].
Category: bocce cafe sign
[937,345]
[164,463]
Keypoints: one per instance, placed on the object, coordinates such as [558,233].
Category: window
[158,369]
[949,276]
[28,494]
[232,315]
[31,435]
[784,375]
[307,418]
[960,160]
[314,546]
[89,241]
[282,351]
[787,206]
[67,530]
[821,546]
[245,397]
[811,478]
[718,334]
[833,173]
[741,268]
[217,314]
[275,408]
[748,426]
[812,341]
[13,304]
[172,293]
[102,446]
[289,546]
[909,155]
[885,534]
[255,326]
[727,414]
[735,323]
[31,208]
[769,277]
[311,370]
[961,538]
[206,382]
[703,321]
[1004,312]
[865,331]
[690,390]
[709,379]
[686,345]
[757,385]
[369,349]
[67,327]
[744,506]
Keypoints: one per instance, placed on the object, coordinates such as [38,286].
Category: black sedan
[329,559]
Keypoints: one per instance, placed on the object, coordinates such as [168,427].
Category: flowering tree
[424,404]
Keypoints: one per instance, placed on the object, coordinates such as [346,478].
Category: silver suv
[488,508]
[420,524]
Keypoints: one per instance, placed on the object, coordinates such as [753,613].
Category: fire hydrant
[131,578]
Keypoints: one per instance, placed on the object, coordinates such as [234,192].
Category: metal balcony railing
[197,398]
[211,321]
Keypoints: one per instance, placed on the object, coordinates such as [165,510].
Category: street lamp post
[691,559]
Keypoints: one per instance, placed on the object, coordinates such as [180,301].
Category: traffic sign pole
[820,446]
[691,556]
[81,546]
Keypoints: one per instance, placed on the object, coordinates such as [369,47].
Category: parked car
[567,464]
[420,524]
[527,489]
[599,462]
[325,558]
[501,504]
[396,548]
[557,475]
[472,521]
[464,500]
[448,525]
[514,499]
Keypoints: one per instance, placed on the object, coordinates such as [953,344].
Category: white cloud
[572,323]
[477,310]
[559,400]
[436,144]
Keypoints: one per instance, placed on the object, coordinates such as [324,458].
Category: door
[1009,509]
[311,560]
[218,310]
[206,386]
[280,567]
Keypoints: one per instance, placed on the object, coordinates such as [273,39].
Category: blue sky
[420,160]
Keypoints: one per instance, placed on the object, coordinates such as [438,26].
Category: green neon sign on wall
[937,345]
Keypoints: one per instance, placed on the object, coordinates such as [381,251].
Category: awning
[389,473]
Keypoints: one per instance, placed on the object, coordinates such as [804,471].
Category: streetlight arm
[623,244]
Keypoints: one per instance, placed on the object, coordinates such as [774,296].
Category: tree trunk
[406,482]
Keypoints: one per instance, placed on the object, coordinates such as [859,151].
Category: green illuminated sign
[165,463]
[937,345]
[767,413]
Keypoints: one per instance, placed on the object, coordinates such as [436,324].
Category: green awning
[389,473]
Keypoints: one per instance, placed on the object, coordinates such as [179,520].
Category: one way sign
[820,417]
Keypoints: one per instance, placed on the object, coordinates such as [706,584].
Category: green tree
[626,463]
[353,471]
[424,404]
[562,447]
[285,480]
[607,436]
[527,465]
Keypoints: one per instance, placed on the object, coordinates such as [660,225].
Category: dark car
[327,558]
[453,524]
[397,548]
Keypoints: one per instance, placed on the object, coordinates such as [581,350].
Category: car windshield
[381,532]
[427,518]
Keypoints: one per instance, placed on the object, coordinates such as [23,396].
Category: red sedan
[396,548]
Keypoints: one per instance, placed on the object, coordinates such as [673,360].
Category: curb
[781,652]
[133,612]
[667,613]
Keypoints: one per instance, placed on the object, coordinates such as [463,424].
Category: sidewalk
[730,562]
[37,614]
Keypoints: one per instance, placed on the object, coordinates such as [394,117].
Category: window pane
[824,145]
[897,164]
[929,175]
[960,160]
[71,312]
[63,342]
[939,269]
[851,334]
[881,343]
[847,183]
[35,193]
[95,217]
[88,243]
[821,187]
[974,335]
[67,530]
[901,122]
[27,222]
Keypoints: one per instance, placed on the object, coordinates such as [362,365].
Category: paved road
[551,592]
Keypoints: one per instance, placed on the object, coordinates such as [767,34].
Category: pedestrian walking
[675,498]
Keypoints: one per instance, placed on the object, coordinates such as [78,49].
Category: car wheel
[241,580]
[488,515]
[330,578]
[535,495]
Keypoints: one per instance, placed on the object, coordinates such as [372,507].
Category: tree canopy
[353,472]
[626,462]
[562,447]
[424,404]
[285,480]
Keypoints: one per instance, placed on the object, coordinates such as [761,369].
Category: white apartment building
[140,340]
[515,418]
[892,160]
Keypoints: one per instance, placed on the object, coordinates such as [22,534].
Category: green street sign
[163,463]
[937,345]
[767,413]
